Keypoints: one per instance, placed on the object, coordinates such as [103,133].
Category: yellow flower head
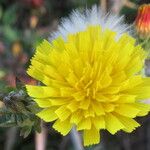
[91,81]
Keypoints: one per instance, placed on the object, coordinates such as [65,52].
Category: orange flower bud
[142,21]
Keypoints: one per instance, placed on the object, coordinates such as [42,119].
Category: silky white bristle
[78,21]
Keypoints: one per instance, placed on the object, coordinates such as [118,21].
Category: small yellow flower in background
[142,22]
[2,74]
[91,78]
[17,49]
[1,104]
[34,21]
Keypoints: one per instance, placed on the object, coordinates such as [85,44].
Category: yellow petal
[84,45]
[64,69]
[131,83]
[129,124]
[134,66]
[89,112]
[84,104]
[43,103]
[124,56]
[78,66]
[111,90]
[105,80]
[71,50]
[65,91]
[118,77]
[98,108]
[126,99]
[41,57]
[145,81]
[36,74]
[59,101]
[84,124]
[73,106]
[48,70]
[46,46]
[113,124]
[99,122]
[72,79]
[108,107]
[76,117]
[141,92]
[101,98]
[48,114]
[63,113]
[144,108]
[42,91]
[127,110]
[63,126]
[91,136]
[58,44]
[79,95]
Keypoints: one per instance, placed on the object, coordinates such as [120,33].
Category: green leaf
[19,111]
[25,131]
[10,15]
[1,12]
[10,33]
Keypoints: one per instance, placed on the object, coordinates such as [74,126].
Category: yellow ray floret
[91,81]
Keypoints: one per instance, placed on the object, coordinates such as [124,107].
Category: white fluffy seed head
[78,21]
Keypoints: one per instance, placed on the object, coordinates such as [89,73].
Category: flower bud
[142,21]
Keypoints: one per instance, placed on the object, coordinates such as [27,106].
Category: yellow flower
[142,22]
[91,81]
